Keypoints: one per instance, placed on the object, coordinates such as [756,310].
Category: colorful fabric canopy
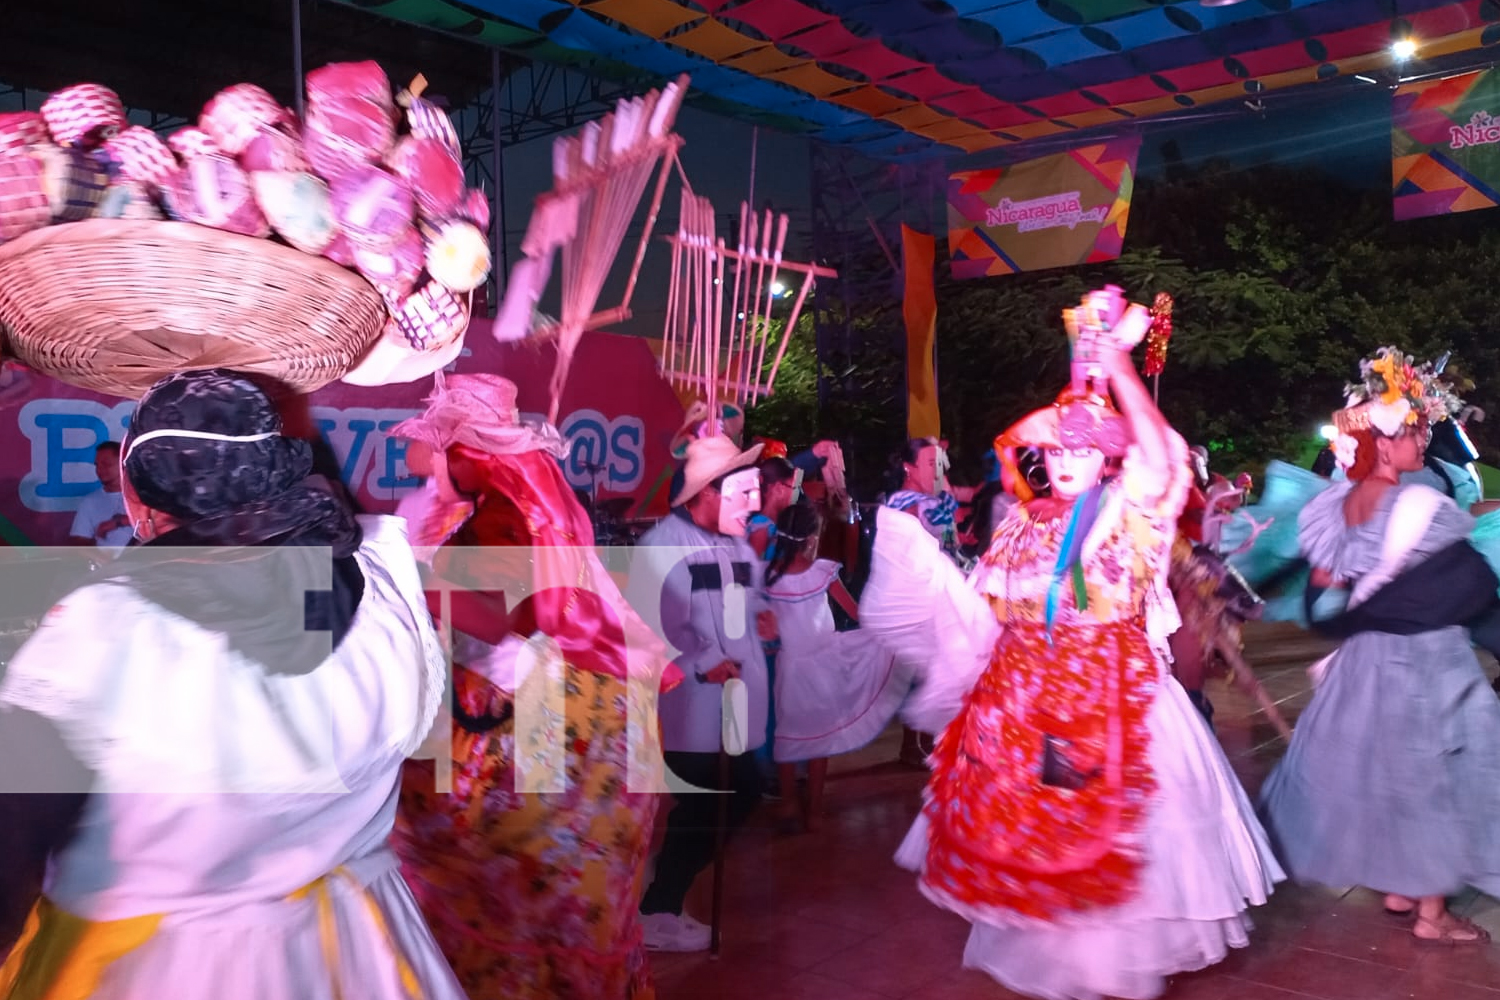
[909,78]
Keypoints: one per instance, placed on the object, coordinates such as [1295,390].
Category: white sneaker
[674,932]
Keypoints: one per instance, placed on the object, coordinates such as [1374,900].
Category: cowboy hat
[708,458]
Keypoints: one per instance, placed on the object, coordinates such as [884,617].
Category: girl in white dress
[835,691]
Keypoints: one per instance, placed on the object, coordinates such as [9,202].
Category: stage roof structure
[898,79]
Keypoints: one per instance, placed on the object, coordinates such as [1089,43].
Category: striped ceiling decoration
[900,79]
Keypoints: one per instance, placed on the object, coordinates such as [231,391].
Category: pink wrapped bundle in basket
[432,172]
[426,120]
[393,272]
[340,250]
[431,316]
[358,80]
[83,115]
[191,143]
[374,208]
[276,149]
[23,195]
[22,130]
[140,156]
[476,208]
[344,133]
[237,115]
[458,258]
[298,207]
[213,191]
[75,181]
[127,200]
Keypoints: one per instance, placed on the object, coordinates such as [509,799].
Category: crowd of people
[275,749]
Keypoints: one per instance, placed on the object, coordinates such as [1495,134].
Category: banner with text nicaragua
[1445,145]
[1070,208]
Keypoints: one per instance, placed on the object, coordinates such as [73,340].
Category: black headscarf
[259,539]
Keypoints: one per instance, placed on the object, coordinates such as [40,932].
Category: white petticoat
[1207,858]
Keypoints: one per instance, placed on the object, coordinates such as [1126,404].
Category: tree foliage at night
[1283,280]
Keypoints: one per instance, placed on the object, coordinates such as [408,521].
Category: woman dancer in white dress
[230,710]
[835,691]
[1080,814]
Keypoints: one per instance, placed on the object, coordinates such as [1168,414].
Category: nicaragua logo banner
[1445,145]
[1069,208]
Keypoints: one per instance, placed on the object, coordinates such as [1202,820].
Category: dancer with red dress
[1079,813]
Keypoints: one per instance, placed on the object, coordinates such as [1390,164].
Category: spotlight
[1403,48]
[778,289]
[1328,432]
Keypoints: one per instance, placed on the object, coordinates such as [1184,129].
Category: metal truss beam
[859,206]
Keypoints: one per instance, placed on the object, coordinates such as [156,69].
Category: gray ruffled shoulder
[1321,530]
[1449,523]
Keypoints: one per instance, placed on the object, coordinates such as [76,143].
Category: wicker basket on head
[114,305]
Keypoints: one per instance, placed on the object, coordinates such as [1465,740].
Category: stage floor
[828,915]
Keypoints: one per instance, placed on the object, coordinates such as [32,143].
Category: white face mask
[739,497]
[1073,471]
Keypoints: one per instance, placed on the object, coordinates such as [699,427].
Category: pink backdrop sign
[616,411]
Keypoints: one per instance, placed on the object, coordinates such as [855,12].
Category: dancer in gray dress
[1392,779]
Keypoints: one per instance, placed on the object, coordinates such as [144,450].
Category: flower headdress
[1395,392]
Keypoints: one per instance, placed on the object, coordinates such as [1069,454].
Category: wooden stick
[739,276]
[786,334]
[1245,677]
[695,282]
[761,388]
[786,265]
[718,303]
[640,249]
[669,321]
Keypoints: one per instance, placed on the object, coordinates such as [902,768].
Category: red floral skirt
[1041,784]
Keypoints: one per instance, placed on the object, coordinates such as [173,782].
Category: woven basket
[114,305]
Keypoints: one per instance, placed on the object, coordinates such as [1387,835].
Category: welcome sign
[1070,208]
[617,413]
[1445,145]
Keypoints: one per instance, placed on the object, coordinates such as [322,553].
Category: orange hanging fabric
[918,251]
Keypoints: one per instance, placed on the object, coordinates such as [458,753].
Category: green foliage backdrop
[1283,279]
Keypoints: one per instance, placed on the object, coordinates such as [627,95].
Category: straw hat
[708,458]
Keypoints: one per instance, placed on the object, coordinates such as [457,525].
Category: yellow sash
[60,956]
